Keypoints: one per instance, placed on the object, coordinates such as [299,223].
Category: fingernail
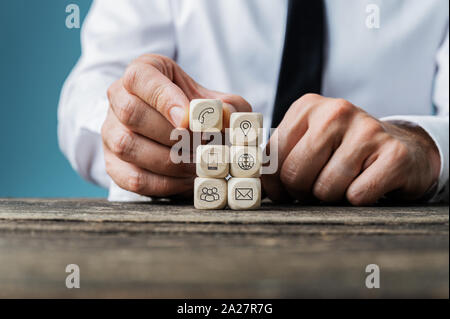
[177,115]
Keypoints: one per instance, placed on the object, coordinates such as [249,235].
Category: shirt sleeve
[112,36]
[437,126]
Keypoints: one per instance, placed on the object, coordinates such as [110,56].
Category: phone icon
[202,115]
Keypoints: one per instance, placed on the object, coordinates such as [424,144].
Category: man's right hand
[146,104]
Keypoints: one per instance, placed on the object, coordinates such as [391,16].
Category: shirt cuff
[437,128]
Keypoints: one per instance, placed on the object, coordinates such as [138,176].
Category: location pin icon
[245,127]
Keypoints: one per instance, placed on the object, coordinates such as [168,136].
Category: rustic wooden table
[166,250]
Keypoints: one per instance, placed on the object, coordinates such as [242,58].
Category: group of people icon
[209,194]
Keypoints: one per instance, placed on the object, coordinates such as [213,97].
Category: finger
[282,141]
[141,151]
[158,91]
[291,129]
[274,189]
[271,183]
[305,161]
[140,181]
[231,103]
[138,116]
[380,178]
[344,166]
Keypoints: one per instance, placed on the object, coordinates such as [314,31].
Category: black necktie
[301,66]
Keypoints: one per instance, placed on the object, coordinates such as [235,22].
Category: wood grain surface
[167,250]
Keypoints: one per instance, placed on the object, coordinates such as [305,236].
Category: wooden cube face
[244,193]
[212,161]
[210,193]
[245,161]
[246,128]
[205,115]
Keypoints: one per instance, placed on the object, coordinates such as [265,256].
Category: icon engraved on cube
[245,161]
[212,161]
[245,128]
[205,115]
[244,193]
[210,193]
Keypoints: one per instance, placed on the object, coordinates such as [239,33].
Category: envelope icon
[243,193]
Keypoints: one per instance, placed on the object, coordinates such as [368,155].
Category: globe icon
[246,161]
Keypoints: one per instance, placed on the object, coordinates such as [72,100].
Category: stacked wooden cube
[215,163]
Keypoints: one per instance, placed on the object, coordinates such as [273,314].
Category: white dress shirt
[399,71]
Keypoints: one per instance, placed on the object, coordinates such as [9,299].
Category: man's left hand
[332,150]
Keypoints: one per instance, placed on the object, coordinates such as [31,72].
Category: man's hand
[147,103]
[331,149]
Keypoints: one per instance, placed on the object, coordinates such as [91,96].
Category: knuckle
[157,97]
[305,101]
[371,127]
[308,98]
[368,134]
[398,152]
[154,58]
[164,64]
[289,174]
[402,149]
[130,77]
[145,58]
[164,187]
[341,108]
[160,62]
[122,144]
[336,113]
[136,182]
[128,113]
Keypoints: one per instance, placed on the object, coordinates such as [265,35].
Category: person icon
[209,194]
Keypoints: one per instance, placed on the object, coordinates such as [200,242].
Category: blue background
[37,54]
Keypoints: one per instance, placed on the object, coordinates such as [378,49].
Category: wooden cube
[212,161]
[205,115]
[245,161]
[210,193]
[246,128]
[244,193]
